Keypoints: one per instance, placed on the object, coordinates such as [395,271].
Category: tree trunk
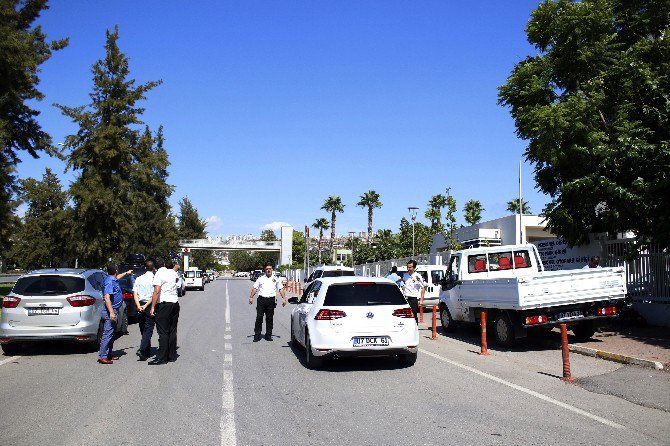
[319,248]
[332,231]
[369,225]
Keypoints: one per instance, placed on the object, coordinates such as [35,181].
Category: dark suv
[135,262]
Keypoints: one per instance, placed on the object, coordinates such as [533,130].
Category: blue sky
[271,106]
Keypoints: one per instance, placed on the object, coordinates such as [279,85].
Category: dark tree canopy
[23,48]
[594,104]
[104,152]
[43,238]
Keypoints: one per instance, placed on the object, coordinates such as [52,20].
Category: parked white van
[433,275]
[194,278]
[329,271]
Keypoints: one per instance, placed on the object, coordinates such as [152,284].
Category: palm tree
[473,211]
[321,224]
[333,204]
[370,199]
[513,207]
[434,212]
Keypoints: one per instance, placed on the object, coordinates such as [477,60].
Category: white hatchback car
[354,316]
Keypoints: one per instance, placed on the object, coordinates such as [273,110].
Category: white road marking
[228,433]
[5,361]
[227,337]
[526,391]
[227,309]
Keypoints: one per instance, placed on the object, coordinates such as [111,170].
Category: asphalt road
[226,390]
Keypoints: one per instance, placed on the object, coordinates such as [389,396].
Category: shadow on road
[338,365]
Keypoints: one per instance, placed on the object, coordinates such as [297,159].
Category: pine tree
[42,240]
[22,51]
[156,231]
[103,151]
[191,226]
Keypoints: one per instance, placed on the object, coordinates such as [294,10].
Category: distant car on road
[194,279]
[127,282]
[281,277]
[354,316]
[255,274]
[241,274]
[55,304]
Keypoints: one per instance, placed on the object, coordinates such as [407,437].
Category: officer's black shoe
[257,338]
[157,362]
[142,355]
[268,337]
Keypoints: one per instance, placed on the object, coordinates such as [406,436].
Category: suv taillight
[10,302]
[404,312]
[329,315]
[81,301]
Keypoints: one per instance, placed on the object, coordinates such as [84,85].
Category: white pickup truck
[511,285]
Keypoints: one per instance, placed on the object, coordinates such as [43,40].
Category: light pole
[412,213]
[351,236]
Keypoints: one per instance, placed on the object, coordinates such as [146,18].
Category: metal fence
[648,275]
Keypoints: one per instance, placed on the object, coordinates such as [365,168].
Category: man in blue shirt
[110,312]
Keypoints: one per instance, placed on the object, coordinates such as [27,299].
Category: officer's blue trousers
[107,341]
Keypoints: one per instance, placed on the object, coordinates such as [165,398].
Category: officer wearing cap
[267,286]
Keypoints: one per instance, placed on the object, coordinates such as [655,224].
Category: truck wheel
[584,330]
[445,319]
[503,330]
[313,362]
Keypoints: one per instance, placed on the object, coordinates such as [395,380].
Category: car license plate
[569,315]
[41,311]
[365,341]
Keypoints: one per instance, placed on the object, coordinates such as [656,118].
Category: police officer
[267,286]
[143,291]
[414,288]
[110,312]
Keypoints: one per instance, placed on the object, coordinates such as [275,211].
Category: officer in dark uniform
[267,286]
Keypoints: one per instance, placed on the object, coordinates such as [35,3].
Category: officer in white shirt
[267,286]
[414,288]
[165,306]
[143,291]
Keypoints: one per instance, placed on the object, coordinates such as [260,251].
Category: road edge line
[530,392]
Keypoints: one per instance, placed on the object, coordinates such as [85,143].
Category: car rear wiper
[380,303]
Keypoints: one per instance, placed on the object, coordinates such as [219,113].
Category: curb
[623,359]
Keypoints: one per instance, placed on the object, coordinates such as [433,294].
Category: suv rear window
[337,273]
[49,285]
[189,274]
[362,294]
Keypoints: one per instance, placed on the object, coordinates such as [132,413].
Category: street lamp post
[351,236]
[412,213]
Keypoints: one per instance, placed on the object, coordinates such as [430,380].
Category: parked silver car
[55,304]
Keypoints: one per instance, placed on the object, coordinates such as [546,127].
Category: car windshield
[49,285]
[337,273]
[363,294]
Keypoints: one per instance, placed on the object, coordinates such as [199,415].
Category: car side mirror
[293,300]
